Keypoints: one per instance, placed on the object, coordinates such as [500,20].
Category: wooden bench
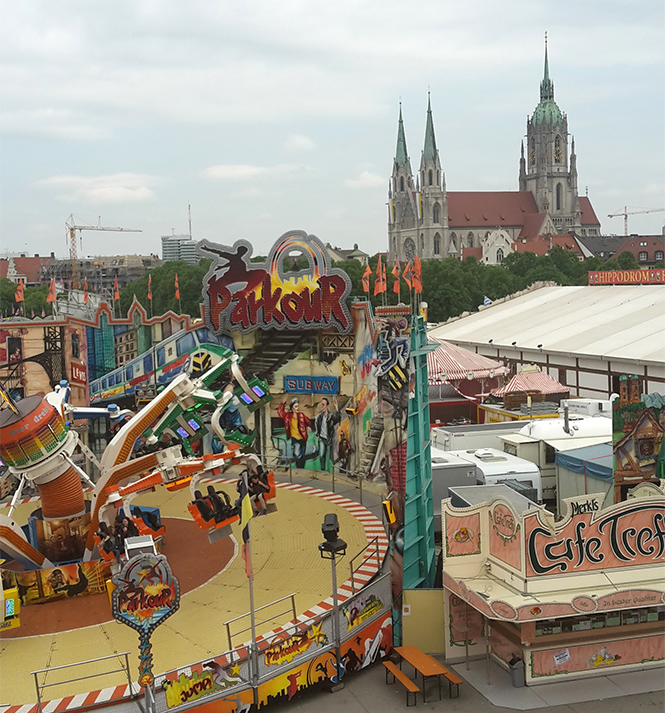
[453,680]
[400,676]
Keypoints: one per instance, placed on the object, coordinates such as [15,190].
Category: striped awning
[452,363]
[532,381]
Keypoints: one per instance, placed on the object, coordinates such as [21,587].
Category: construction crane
[625,213]
[70,223]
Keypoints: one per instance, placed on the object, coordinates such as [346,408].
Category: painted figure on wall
[325,425]
[297,424]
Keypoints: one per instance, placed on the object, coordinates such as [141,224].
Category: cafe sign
[294,288]
[627,534]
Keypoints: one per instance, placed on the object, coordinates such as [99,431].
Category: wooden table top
[422,662]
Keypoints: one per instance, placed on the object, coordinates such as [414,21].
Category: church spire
[547,85]
[401,155]
[429,150]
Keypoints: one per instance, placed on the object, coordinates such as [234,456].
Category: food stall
[570,598]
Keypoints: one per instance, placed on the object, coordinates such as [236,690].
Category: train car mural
[185,352]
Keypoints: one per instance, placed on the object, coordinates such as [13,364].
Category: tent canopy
[532,381]
[594,461]
[452,363]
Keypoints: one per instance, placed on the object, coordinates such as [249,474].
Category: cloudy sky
[269,115]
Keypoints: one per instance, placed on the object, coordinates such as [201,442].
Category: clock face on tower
[409,249]
[558,154]
[532,157]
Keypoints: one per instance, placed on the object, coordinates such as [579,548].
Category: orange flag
[51,291]
[116,290]
[395,274]
[150,287]
[366,275]
[408,275]
[417,275]
[177,287]
[85,290]
[18,295]
[380,282]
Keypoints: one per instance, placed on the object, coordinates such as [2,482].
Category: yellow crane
[625,213]
[72,227]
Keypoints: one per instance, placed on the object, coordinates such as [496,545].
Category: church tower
[402,207]
[546,171]
[432,238]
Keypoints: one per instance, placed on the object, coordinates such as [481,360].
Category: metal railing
[375,553]
[124,669]
[292,610]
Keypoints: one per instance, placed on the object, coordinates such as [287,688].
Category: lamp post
[329,549]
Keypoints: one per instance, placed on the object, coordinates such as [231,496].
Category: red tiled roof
[532,381]
[541,245]
[491,209]
[533,225]
[472,252]
[30,267]
[588,216]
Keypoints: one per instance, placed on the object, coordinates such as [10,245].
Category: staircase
[273,350]
[371,445]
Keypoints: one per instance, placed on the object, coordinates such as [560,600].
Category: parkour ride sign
[280,293]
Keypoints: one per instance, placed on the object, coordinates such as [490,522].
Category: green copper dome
[547,112]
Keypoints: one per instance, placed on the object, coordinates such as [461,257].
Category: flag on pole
[43,313]
[417,276]
[18,295]
[150,287]
[246,514]
[177,287]
[116,290]
[379,283]
[486,301]
[395,274]
[85,290]
[366,274]
[407,275]
[51,291]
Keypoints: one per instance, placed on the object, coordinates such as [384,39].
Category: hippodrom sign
[242,296]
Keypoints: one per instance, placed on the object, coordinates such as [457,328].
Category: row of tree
[450,286]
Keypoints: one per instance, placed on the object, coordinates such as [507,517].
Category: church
[428,220]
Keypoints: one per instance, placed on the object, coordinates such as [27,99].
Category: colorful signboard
[295,288]
[311,384]
[627,277]
[146,594]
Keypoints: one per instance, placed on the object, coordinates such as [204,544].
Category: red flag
[51,291]
[417,275]
[395,274]
[380,282]
[366,275]
[85,291]
[408,275]
[177,287]
[150,287]
[18,295]
[116,290]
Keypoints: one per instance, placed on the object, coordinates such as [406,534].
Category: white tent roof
[614,321]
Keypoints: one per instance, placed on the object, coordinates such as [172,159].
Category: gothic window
[532,152]
[429,177]
[453,240]
[499,255]
[409,249]
[559,194]
[422,244]
[401,183]
[469,239]
[436,213]
[437,245]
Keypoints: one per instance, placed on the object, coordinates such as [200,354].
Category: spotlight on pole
[333,545]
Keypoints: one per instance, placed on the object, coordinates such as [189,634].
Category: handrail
[374,541]
[124,669]
[230,636]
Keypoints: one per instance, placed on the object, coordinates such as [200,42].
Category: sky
[271,116]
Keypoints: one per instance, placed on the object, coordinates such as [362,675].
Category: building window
[401,183]
[422,244]
[436,213]
[76,350]
[469,240]
[642,256]
[429,177]
[658,256]
[559,193]
[453,240]
[437,244]
[499,255]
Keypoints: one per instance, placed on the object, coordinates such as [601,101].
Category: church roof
[429,150]
[469,209]
[588,216]
[533,224]
[401,154]
[541,245]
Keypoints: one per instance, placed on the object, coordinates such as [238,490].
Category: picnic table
[428,667]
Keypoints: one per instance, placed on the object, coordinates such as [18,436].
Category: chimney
[52,254]
[36,254]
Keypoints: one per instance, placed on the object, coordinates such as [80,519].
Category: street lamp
[329,549]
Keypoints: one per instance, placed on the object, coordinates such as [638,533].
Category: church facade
[426,219]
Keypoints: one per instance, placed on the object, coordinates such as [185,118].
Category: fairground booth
[569,599]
